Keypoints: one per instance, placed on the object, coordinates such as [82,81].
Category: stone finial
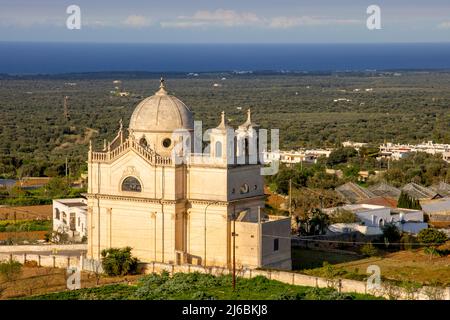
[120,124]
[90,145]
[249,115]
[223,122]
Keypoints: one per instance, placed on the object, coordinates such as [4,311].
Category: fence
[41,248]
[53,261]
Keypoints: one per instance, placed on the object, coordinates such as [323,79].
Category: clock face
[244,188]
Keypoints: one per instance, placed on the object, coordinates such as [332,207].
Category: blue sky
[230,21]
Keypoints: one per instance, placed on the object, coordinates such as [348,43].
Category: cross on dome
[162,87]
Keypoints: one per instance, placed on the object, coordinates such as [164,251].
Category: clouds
[444,25]
[218,18]
[30,21]
[231,18]
[291,22]
[229,21]
[136,21]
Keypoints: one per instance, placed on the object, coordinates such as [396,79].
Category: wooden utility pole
[290,197]
[234,248]
[259,238]
[67,171]
[15,226]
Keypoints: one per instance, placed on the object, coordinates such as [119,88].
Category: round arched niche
[143,142]
[131,184]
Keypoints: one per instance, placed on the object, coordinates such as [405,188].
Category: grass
[196,286]
[25,225]
[402,266]
[309,258]
[42,280]
[411,265]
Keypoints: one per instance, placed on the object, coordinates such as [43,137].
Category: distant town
[392,151]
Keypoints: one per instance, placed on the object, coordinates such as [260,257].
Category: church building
[203,210]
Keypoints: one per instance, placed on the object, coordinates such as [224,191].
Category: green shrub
[369,250]
[201,295]
[10,270]
[288,295]
[432,251]
[119,262]
[431,236]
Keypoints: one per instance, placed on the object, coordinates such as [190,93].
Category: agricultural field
[35,280]
[196,286]
[26,212]
[21,236]
[31,223]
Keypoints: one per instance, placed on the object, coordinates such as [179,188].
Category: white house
[373,218]
[446,156]
[296,156]
[70,217]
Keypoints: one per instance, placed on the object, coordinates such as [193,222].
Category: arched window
[218,149]
[131,184]
[57,214]
[143,142]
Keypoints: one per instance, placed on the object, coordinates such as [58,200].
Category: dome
[161,112]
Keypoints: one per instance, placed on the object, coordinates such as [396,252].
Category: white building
[297,156]
[355,145]
[373,218]
[399,151]
[70,217]
[446,156]
[203,210]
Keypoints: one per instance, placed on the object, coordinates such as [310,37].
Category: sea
[25,58]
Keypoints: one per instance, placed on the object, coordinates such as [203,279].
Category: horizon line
[220,43]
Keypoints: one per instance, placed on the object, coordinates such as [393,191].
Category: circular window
[166,142]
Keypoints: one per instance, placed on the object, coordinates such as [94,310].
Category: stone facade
[169,211]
